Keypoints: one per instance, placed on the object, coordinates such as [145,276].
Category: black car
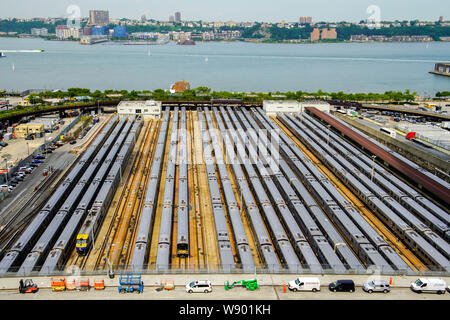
[3,144]
[342,286]
[73,141]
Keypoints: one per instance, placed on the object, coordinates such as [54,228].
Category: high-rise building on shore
[143,18]
[323,34]
[171,19]
[315,34]
[98,17]
[304,20]
[178,16]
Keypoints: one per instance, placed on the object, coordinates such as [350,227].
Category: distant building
[441,18]
[98,17]
[120,32]
[180,86]
[60,29]
[304,20]
[331,34]
[146,109]
[178,16]
[315,34]
[324,34]
[39,31]
[143,18]
[87,31]
[171,18]
[100,31]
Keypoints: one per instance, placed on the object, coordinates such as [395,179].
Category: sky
[235,10]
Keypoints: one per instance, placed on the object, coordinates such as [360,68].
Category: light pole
[28,147]
[373,167]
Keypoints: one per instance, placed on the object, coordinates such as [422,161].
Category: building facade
[147,109]
[99,17]
[315,34]
[120,32]
[39,31]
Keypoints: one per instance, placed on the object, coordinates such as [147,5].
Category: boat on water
[2,55]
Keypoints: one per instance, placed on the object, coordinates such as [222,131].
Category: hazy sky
[236,10]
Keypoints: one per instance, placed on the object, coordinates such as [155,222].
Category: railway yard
[233,190]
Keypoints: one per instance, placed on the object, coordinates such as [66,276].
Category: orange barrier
[83,284]
[71,284]
[58,284]
[99,284]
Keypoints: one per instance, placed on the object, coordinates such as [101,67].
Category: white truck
[432,285]
[304,284]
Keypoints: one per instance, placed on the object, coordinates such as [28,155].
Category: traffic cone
[390,280]
[284,288]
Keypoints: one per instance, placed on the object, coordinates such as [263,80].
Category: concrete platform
[271,288]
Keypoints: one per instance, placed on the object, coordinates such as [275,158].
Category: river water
[234,66]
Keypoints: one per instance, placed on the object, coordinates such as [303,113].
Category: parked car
[342,286]
[39,156]
[34,165]
[3,144]
[377,286]
[73,142]
[37,161]
[432,285]
[13,182]
[305,284]
[6,186]
[199,286]
[30,137]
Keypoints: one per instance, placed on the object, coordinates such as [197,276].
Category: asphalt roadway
[271,288]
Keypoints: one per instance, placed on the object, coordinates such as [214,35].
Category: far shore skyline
[234,10]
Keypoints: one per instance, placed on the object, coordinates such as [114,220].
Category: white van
[199,286]
[305,284]
[435,285]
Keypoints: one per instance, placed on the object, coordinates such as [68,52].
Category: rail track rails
[13,227]
[406,254]
[129,203]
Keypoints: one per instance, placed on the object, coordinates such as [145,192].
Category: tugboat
[2,55]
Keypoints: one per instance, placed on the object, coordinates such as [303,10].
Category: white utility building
[271,107]
[146,109]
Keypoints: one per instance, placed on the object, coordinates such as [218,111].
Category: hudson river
[234,66]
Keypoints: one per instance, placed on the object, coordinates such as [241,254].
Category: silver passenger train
[27,240]
[388,209]
[64,245]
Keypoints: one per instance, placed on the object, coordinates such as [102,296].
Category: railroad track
[127,250]
[158,212]
[124,209]
[13,227]
[196,239]
[88,260]
[392,240]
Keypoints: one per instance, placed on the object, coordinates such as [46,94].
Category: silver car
[377,286]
